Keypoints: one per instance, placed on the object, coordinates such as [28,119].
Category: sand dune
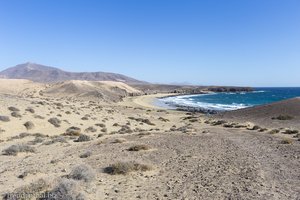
[99,90]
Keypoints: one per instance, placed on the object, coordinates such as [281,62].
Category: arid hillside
[46,74]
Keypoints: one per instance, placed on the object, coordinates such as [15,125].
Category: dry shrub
[29,109]
[65,190]
[274,131]
[218,122]
[82,172]
[73,131]
[21,136]
[29,125]
[36,141]
[39,117]
[288,131]
[4,118]
[283,117]
[254,128]
[16,114]
[54,121]
[146,121]
[90,129]
[84,118]
[11,108]
[164,119]
[100,125]
[125,129]
[144,134]
[286,141]
[126,167]
[139,147]
[56,139]
[17,148]
[27,192]
[83,138]
[263,129]
[104,130]
[120,140]
[86,154]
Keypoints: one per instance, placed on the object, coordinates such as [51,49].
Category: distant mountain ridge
[45,74]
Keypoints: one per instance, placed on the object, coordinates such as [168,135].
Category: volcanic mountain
[46,74]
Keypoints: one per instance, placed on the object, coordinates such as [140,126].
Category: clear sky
[211,42]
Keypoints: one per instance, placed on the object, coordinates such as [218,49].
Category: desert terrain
[106,140]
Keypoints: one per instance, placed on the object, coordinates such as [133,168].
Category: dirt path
[227,165]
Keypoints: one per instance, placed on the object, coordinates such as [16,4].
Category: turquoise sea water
[232,101]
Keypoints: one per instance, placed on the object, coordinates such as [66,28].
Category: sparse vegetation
[65,190]
[100,125]
[262,129]
[83,138]
[274,131]
[254,128]
[139,147]
[104,130]
[125,129]
[39,117]
[16,114]
[146,121]
[126,167]
[56,139]
[84,118]
[27,172]
[288,131]
[228,125]
[82,172]
[286,141]
[73,131]
[29,109]
[21,135]
[90,129]
[29,125]
[28,190]
[55,121]
[86,154]
[283,117]
[13,109]
[68,112]
[218,122]
[36,141]
[120,140]
[163,119]
[18,148]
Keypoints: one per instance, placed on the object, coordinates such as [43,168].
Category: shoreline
[148,101]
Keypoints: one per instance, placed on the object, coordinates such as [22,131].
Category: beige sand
[147,101]
[191,156]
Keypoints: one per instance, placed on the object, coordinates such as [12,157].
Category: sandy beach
[148,101]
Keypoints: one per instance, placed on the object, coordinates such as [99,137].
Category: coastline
[177,142]
[148,101]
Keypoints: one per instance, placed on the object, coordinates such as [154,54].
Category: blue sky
[212,42]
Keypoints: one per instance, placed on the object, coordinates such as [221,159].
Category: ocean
[230,101]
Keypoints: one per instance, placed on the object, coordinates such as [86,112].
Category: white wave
[259,91]
[184,101]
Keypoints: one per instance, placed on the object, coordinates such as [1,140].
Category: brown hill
[44,74]
[288,112]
